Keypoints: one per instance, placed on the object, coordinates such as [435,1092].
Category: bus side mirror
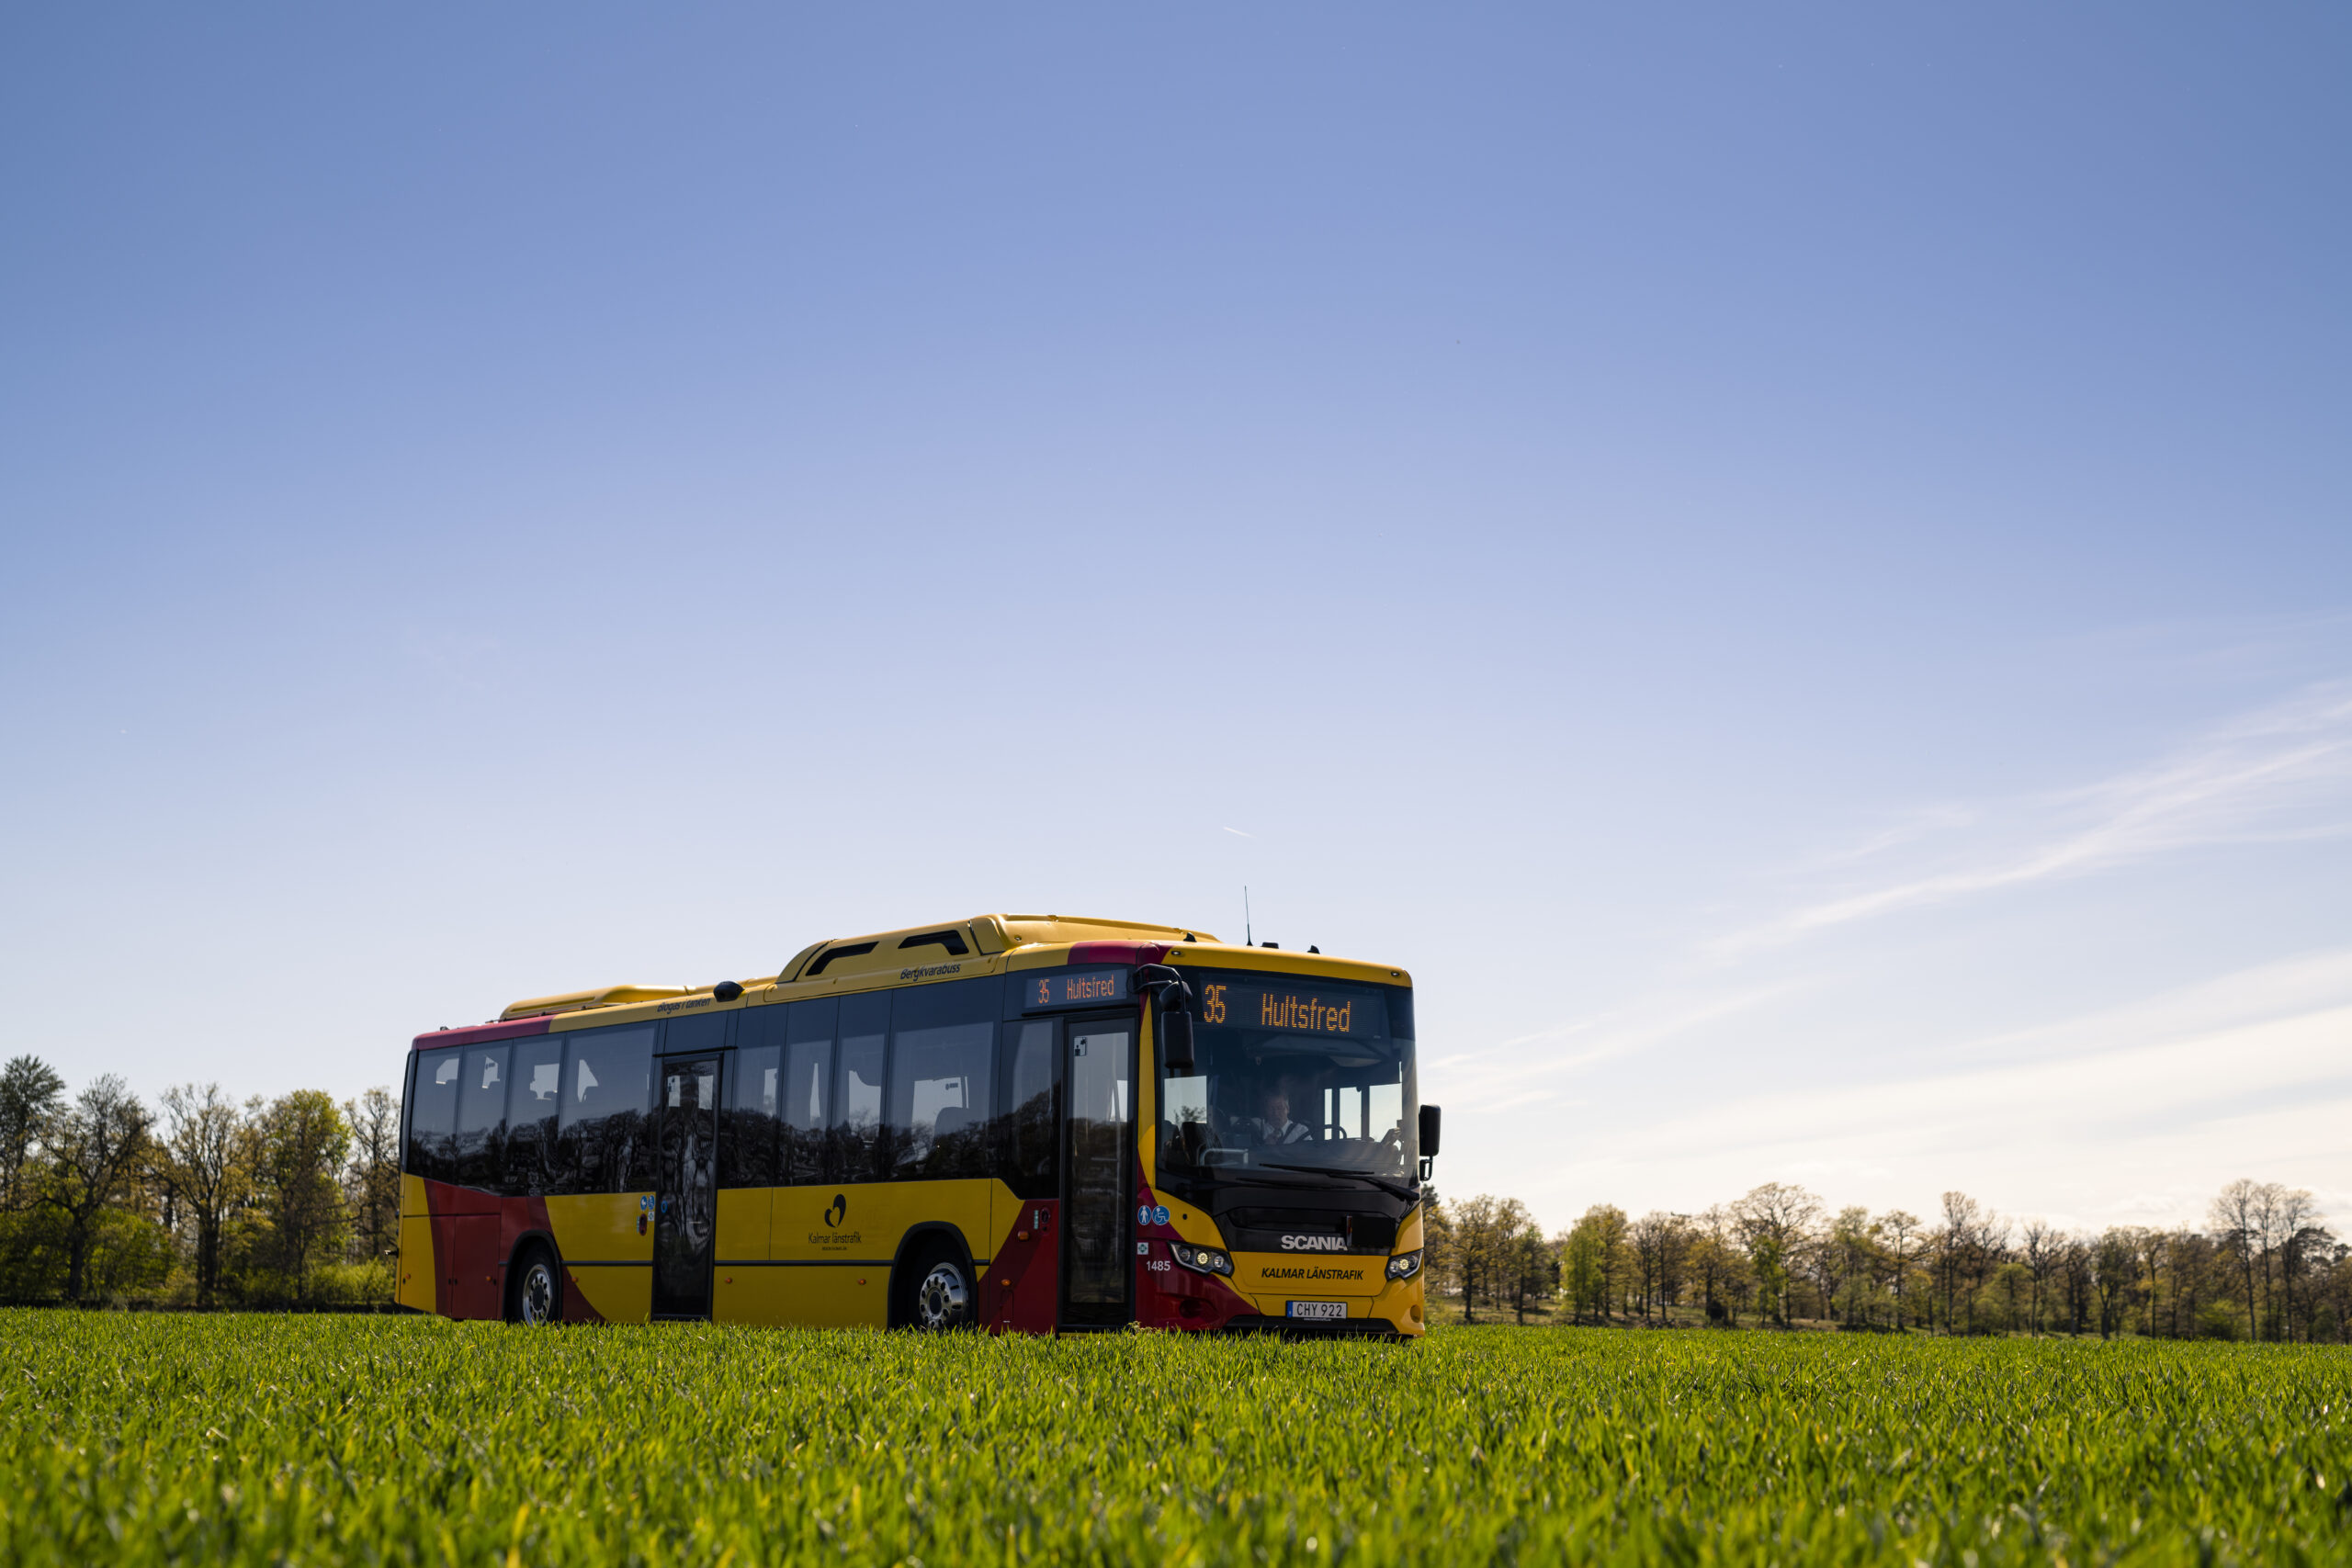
[1176,1040]
[1428,1132]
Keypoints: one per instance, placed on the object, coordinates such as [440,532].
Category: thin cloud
[2241,1074]
[2237,783]
[1239,834]
[1923,823]
[1505,1074]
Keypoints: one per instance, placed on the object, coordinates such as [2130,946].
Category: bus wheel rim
[941,1300]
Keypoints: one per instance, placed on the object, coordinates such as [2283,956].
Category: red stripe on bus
[479,1034]
[1117,951]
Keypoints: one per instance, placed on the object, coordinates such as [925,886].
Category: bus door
[685,1184]
[1098,1171]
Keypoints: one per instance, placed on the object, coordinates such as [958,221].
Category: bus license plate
[1319,1309]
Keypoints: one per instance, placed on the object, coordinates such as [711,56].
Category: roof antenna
[1249,936]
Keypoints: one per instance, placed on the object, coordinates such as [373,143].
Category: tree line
[2264,1266]
[200,1200]
[292,1202]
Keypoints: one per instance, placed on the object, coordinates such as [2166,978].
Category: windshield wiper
[1395,1189]
[1237,1172]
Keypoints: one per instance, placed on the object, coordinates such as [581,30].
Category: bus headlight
[1404,1265]
[1201,1259]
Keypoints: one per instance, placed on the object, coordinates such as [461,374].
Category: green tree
[1903,1235]
[1849,1262]
[1720,1262]
[1485,1230]
[1534,1272]
[1776,1222]
[130,1254]
[298,1145]
[1579,1253]
[32,1097]
[2042,1243]
[372,1185]
[2238,1217]
[201,1160]
[2296,1229]
[1592,1259]
[1610,1231]
[2005,1299]
[1660,1242]
[2115,1273]
[91,1159]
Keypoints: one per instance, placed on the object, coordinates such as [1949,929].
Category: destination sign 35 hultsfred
[1300,1011]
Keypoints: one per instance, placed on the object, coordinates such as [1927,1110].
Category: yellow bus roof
[970,946]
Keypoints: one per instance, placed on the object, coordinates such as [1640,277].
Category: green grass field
[321,1439]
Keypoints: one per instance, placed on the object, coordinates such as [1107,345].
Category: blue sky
[1793,564]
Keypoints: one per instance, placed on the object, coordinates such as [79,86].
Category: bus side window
[858,1148]
[808,1086]
[943,1040]
[433,1115]
[482,1118]
[1034,1071]
[530,1116]
[747,1132]
[600,1116]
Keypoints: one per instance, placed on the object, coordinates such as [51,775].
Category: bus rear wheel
[942,1295]
[538,1289]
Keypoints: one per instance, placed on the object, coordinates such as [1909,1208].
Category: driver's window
[1185,1100]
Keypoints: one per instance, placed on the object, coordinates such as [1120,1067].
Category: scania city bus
[1015,1122]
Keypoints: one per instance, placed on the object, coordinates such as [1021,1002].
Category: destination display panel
[1072,987]
[1297,1007]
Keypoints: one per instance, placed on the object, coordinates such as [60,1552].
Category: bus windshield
[1292,1074]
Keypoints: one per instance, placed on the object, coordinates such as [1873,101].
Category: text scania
[1315,1243]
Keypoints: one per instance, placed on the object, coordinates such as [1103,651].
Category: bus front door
[685,1185]
[1098,1167]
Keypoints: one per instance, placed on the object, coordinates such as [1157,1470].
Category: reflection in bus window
[806,1084]
[433,1115]
[601,1118]
[1183,1102]
[939,1101]
[747,1133]
[538,1073]
[482,1118]
[1035,1168]
[942,1055]
[857,1115]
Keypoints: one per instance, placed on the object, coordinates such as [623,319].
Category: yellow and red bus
[1013,1123]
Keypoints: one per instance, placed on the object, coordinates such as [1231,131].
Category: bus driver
[1275,1126]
